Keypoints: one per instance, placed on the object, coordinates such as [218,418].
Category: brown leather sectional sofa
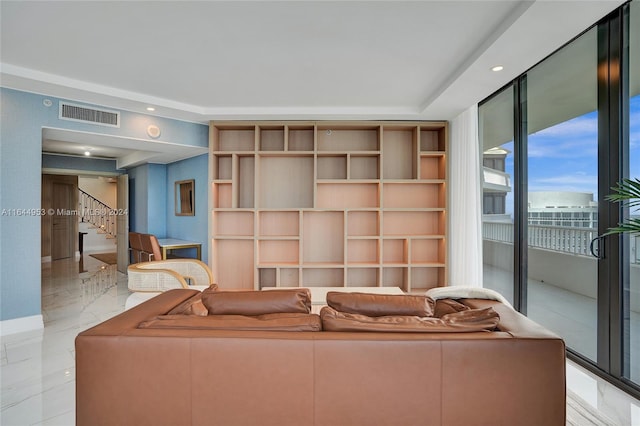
[186,358]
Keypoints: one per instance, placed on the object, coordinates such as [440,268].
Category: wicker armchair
[161,275]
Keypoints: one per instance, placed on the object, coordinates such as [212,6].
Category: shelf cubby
[222,195]
[300,138]
[322,277]
[267,277]
[341,195]
[432,139]
[427,250]
[286,182]
[363,277]
[432,166]
[278,252]
[394,251]
[323,236]
[233,223]
[362,251]
[332,166]
[413,223]
[414,195]
[246,181]
[289,277]
[395,276]
[364,166]
[357,138]
[363,223]
[424,278]
[233,263]
[278,223]
[237,139]
[271,138]
[399,152]
[224,167]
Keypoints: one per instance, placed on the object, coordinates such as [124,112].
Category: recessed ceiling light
[87,153]
[497,68]
[151,109]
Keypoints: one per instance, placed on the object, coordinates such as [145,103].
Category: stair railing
[96,213]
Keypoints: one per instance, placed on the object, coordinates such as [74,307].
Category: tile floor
[37,374]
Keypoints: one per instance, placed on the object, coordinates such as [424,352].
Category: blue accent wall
[138,199]
[192,228]
[23,117]
[157,200]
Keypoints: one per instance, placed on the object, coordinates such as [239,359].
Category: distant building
[496,183]
[566,209]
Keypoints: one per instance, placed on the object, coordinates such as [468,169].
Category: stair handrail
[97,213]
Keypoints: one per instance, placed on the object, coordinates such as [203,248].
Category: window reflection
[496,139]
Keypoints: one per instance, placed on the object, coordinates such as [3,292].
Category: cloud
[576,182]
[583,125]
[563,148]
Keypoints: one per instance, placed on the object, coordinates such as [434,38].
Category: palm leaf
[631,226]
[627,193]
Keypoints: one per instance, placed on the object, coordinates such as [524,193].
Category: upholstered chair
[151,247]
[135,245]
[161,275]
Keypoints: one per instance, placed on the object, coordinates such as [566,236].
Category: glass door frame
[613,331]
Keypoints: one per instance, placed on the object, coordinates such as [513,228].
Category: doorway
[59,225]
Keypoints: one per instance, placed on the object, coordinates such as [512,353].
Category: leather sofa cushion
[257,302]
[191,306]
[465,321]
[448,306]
[266,322]
[377,305]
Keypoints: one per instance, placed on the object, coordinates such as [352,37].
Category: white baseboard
[20,325]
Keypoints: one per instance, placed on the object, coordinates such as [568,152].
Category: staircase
[97,214]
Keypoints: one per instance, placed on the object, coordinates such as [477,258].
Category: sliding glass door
[574,134]
[562,212]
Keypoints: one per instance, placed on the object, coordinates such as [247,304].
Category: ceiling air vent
[101,117]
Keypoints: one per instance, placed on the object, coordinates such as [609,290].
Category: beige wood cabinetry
[328,204]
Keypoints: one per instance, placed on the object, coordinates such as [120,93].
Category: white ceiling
[207,60]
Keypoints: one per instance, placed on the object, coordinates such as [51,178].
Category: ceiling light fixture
[151,109]
[87,153]
[497,68]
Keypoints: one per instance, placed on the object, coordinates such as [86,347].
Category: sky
[564,157]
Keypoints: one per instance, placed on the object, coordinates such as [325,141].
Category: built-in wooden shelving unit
[321,204]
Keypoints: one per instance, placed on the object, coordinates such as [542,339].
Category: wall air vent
[84,114]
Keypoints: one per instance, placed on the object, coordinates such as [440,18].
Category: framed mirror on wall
[185,197]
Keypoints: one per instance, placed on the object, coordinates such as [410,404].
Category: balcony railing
[557,238]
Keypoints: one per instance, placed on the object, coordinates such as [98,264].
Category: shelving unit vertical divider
[286,143]
[416,153]
[235,178]
[419,162]
[256,208]
[345,248]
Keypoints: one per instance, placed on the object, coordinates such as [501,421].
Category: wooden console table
[167,244]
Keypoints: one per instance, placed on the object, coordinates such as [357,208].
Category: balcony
[561,282]
[496,180]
